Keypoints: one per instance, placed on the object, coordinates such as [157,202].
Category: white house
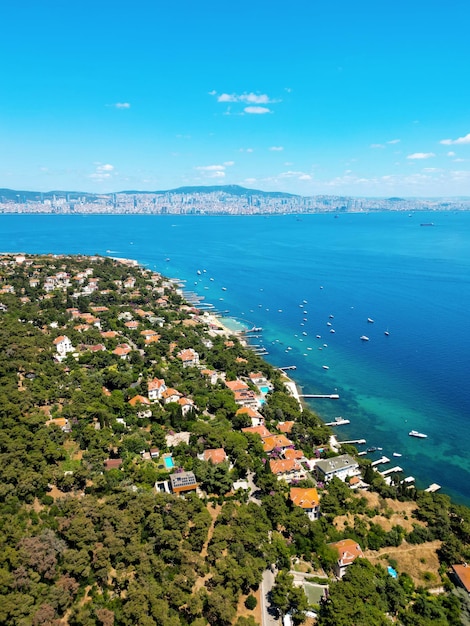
[340,466]
[63,346]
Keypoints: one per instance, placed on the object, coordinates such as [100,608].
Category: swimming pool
[169,464]
[264,389]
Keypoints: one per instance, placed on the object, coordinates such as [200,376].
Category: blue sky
[367,98]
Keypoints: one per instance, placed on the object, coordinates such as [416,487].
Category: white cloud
[421,155]
[276,148]
[122,105]
[459,140]
[255,110]
[229,163]
[394,141]
[212,171]
[458,160]
[451,154]
[377,145]
[102,172]
[210,168]
[297,175]
[247,98]
[246,150]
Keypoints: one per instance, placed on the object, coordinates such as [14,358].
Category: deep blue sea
[289,274]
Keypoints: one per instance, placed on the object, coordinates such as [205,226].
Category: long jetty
[287,367]
[330,396]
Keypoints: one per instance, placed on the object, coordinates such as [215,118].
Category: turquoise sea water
[289,274]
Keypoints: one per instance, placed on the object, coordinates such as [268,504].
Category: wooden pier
[329,396]
[392,470]
[352,442]
[339,421]
[287,367]
[433,488]
[382,459]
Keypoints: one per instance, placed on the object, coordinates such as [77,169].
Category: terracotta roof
[463,574]
[348,551]
[276,441]
[215,455]
[170,392]
[236,385]
[262,431]
[305,498]
[293,454]
[112,463]
[285,427]
[59,339]
[109,334]
[139,399]
[155,383]
[284,465]
[247,410]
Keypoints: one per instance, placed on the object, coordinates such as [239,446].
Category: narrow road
[267,613]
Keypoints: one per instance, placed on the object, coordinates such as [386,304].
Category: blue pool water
[264,389]
[169,464]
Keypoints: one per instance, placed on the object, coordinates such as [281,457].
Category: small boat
[415,433]
[255,329]
[396,454]
[325,367]
[370,320]
[224,288]
[199,272]
[371,449]
[318,336]
[328,323]
[332,330]
[304,333]
[364,338]
[386,333]
[331,317]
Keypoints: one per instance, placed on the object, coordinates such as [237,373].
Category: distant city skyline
[343,99]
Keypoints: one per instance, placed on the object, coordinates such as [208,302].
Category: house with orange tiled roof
[212,375]
[186,405]
[189,357]
[256,418]
[171,395]
[109,334]
[215,455]
[236,385]
[63,346]
[462,573]
[261,430]
[122,350]
[81,328]
[285,427]
[276,441]
[132,325]
[259,379]
[139,400]
[287,470]
[246,397]
[348,551]
[308,499]
[150,336]
[156,387]
[290,453]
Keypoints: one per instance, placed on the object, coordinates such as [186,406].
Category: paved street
[266,609]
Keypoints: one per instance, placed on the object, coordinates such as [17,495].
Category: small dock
[287,367]
[433,488]
[339,421]
[329,396]
[392,470]
[382,460]
[409,480]
[352,442]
